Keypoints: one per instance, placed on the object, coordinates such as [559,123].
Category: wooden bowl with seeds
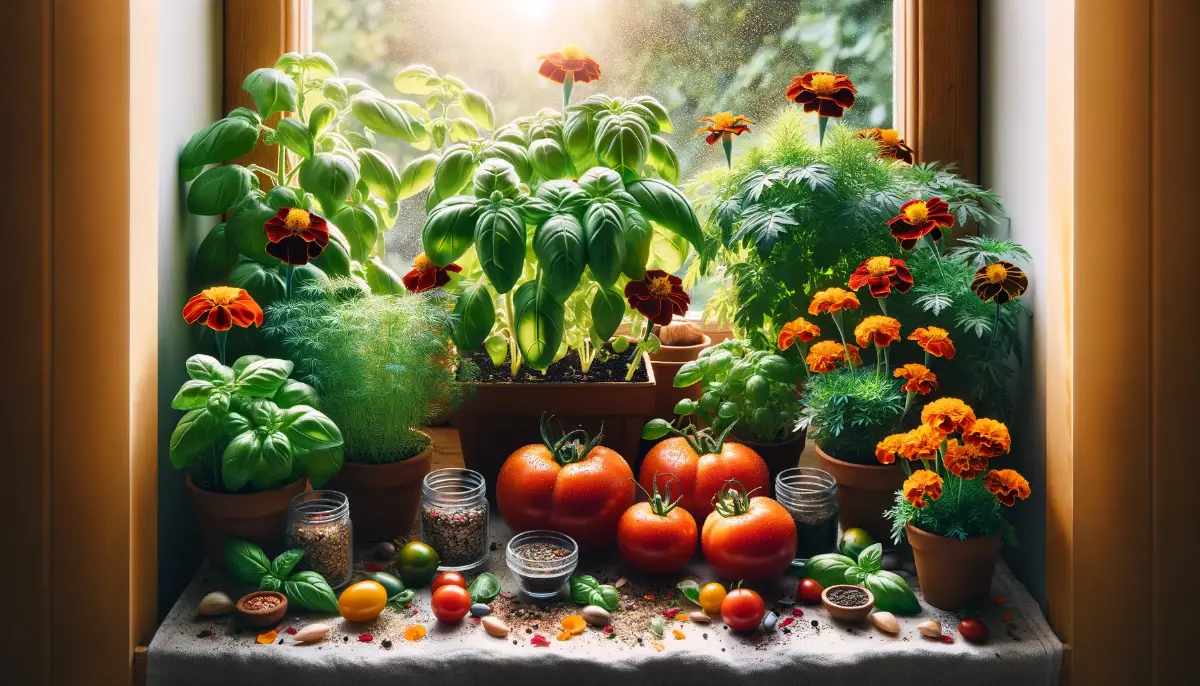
[847,603]
[261,608]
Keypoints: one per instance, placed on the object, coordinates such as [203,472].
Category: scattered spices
[1000,600]
[386,644]
[414,633]
[291,631]
[267,638]
[797,612]
[671,613]
[262,603]
[670,596]
[319,522]
[814,624]
[847,597]
[608,629]
[679,635]
[574,624]
[649,596]
[372,567]
[539,641]
[786,621]
[345,639]
[946,638]
[207,633]
[658,646]
[1007,617]
[454,517]
[365,638]
[564,636]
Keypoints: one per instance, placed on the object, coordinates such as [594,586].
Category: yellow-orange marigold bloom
[572,60]
[798,328]
[922,443]
[878,330]
[832,300]
[825,355]
[1007,485]
[887,449]
[989,437]
[948,415]
[891,144]
[964,460]
[917,378]
[934,340]
[922,488]
[723,124]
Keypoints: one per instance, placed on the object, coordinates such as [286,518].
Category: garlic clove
[215,603]
[930,628]
[886,622]
[312,633]
[495,626]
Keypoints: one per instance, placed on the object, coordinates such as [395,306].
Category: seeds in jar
[327,549]
[458,534]
[543,555]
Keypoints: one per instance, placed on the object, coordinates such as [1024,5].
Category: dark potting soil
[566,370]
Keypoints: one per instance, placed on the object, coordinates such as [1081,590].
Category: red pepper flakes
[291,631]
[539,641]
[649,596]
[797,612]
[756,636]
[477,619]
[785,621]
[946,638]
[414,611]
[207,633]
[373,567]
[1007,617]
[365,638]
[670,596]
[608,629]
[1000,600]
[670,614]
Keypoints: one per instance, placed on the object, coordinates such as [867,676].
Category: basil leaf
[500,244]
[689,373]
[192,395]
[581,588]
[310,429]
[606,597]
[608,308]
[286,562]
[270,582]
[658,625]
[401,601]
[262,378]
[484,588]
[539,325]
[828,569]
[476,316]
[194,433]
[273,91]
[689,587]
[871,558]
[892,593]
[205,368]
[220,141]
[293,393]
[652,431]
[310,591]
[856,575]
[559,246]
[219,189]
[246,562]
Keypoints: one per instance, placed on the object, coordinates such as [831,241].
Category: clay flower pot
[261,618]
[953,574]
[256,517]
[850,615]
[383,497]
[865,492]
[779,456]
[666,363]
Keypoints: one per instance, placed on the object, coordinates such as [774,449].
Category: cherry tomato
[743,609]
[973,630]
[363,601]
[809,591]
[701,476]
[711,597]
[448,579]
[451,603]
[748,538]
[416,563]
[657,536]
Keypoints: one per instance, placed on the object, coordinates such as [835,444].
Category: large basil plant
[265,427]
[554,209]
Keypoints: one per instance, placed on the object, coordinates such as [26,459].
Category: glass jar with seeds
[454,517]
[810,496]
[319,522]
[542,561]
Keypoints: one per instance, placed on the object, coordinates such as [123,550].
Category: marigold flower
[832,300]
[1007,485]
[917,378]
[989,437]
[425,275]
[824,356]
[922,443]
[887,449]
[826,93]
[934,340]
[798,328]
[948,415]
[878,330]
[723,124]
[891,145]
[296,235]
[658,296]
[918,218]
[922,488]
[882,274]
[964,460]
[220,307]
[1000,281]
[573,60]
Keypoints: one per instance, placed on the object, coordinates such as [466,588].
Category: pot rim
[567,384]
[428,451]
[274,492]
[938,539]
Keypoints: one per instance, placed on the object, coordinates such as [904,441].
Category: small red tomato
[448,579]
[451,603]
[974,630]
[743,609]
[809,591]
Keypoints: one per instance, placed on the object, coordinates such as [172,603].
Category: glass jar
[810,496]
[454,517]
[319,522]
[542,561]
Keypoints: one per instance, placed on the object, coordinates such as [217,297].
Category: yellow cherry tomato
[711,597]
[363,601]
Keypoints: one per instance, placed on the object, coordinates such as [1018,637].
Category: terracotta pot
[954,574]
[501,417]
[261,618]
[256,517]
[865,492]
[779,456]
[666,363]
[851,615]
[383,497]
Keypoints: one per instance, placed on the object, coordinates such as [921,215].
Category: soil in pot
[260,518]
[779,456]
[865,492]
[953,574]
[383,497]
[566,370]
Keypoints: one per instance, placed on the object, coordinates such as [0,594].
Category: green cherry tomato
[416,563]
[711,597]
[854,541]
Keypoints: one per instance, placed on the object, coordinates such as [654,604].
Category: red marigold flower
[723,124]
[571,59]
[826,93]
[918,218]
[922,488]
[891,145]
[425,275]
[658,296]
[220,307]
[799,328]
[296,236]
[917,378]
[934,340]
[1000,281]
[882,274]
[878,330]
[1007,485]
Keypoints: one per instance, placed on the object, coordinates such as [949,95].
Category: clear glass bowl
[542,579]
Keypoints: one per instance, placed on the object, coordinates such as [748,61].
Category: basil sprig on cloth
[891,591]
[248,564]
[586,590]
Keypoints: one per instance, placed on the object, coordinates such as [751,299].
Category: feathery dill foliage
[381,363]
[850,410]
[965,510]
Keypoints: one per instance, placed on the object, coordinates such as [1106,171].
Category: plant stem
[637,354]
[822,122]
[727,144]
[281,156]
[882,304]
[568,82]
[513,350]
[290,270]
[995,332]
[837,320]
[221,337]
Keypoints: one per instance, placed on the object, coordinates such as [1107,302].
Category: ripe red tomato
[571,485]
[448,579]
[809,591]
[451,603]
[701,475]
[657,536]
[748,538]
[974,630]
[743,609]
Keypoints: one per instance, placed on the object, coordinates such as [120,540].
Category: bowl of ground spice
[542,561]
[261,608]
[847,603]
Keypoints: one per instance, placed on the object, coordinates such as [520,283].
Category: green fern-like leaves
[850,410]
[965,510]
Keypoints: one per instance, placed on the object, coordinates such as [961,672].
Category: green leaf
[245,230]
[192,395]
[665,204]
[586,590]
[601,182]
[453,171]
[293,393]
[511,153]
[658,626]
[500,243]
[195,433]
[273,91]
[475,316]
[246,562]
[207,368]
[656,108]
[387,118]
[495,175]
[361,228]
[221,141]
[871,558]
[690,373]
[563,197]
[276,456]
[309,591]
[463,129]
[270,582]
[478,108]
[219,189]
[417,79]
[401,601]
[416,176]
[623,142]
[247,114]
[828,569]
[690,587]
[449,229]
[638,237]
[663,159]
[654,430]
[378,173]
[240,364]
[539,324]
[668,251]
[321,465]
[262,378]
[321,117]
[335,260]
[497,349]
[891,592]
[215,257]
[549,159]
[608,308]
[329,176]
[484,588]
[382,279]
[319,64]
[264,285]
[295,136]
[604,228]
[283,565]
[240,460]
[335,91]
[559,246]
[309,429]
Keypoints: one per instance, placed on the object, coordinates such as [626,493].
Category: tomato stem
[730,501]
[571,446]
[662,505]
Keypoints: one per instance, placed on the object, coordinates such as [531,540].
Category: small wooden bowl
[261,618]
[848,614]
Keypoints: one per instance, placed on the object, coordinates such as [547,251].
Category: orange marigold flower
[220,307]
[1000,281]
[964,460]
[882,274]
[918,218]
[878,330]
[887,449]
[917,378]
[295,235]
[934,340]
[922,443]
[989,437]
[825,355]
[832,300]
[571,59]
[948,415]
[798,328]
[425,275]
[724,124]
[826,93]
[891,145]
[922,488]
[1007,485]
